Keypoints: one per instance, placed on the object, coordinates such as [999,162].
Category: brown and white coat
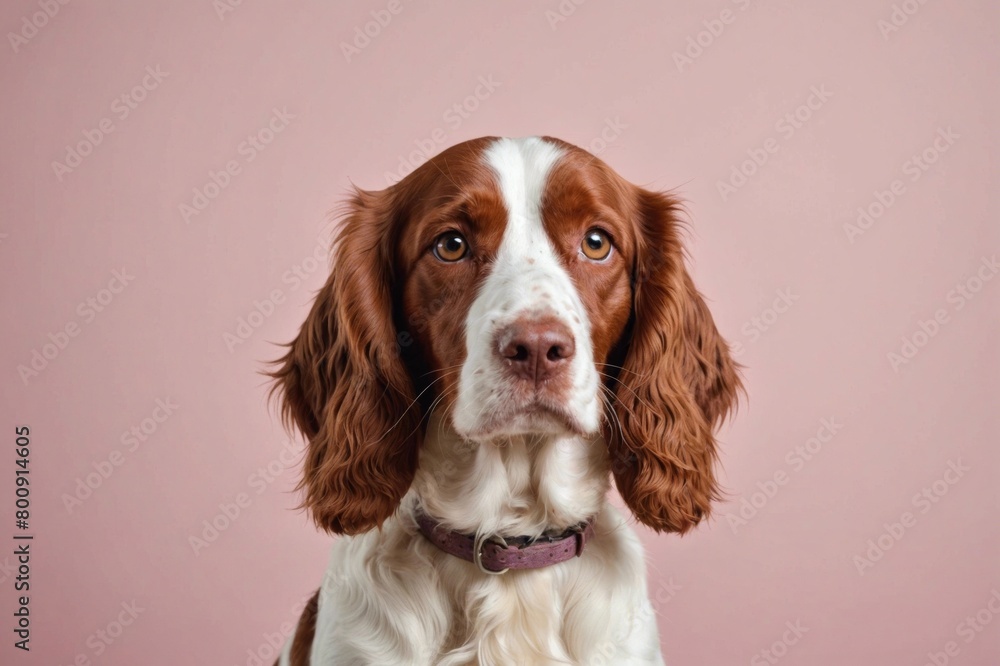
[503,331]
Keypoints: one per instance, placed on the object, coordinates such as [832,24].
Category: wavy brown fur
[677,384]
[345,386]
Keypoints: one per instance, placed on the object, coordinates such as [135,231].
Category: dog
[503,331]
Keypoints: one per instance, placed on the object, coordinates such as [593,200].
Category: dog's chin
[536,419]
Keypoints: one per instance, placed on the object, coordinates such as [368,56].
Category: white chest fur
[391,597]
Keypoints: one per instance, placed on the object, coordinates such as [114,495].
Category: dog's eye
[596,245]
[451,246]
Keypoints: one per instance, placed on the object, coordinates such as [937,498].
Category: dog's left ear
[345,386]
[676,385]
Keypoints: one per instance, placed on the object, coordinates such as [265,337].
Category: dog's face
[517,287]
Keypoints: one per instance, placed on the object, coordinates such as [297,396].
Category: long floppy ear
[676,384]
[344,385]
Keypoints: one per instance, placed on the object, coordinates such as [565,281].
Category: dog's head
[519,286]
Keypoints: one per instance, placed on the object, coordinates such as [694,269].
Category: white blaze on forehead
[526,254]
[522,166]
[526,272]
[526,278]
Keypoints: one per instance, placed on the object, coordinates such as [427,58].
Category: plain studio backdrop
[168,169]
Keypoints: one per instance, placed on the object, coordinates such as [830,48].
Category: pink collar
[513,553]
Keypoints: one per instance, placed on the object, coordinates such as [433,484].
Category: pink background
[723,594]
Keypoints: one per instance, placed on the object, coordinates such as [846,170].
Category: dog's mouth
[537,416]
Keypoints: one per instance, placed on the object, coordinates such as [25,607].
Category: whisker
[629,388]
[612,365]
[613,415]
[617,403]
[430,411]
[408,407]
[450,367]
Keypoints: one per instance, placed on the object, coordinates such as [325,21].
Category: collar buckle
[477,553]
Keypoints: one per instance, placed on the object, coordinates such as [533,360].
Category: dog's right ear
[678,382]
[344,385]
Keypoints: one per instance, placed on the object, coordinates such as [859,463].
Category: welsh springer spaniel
[503,330]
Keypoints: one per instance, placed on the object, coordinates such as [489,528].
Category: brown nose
[536,350]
